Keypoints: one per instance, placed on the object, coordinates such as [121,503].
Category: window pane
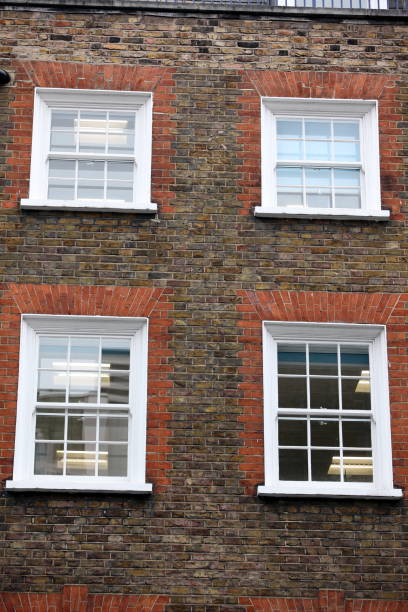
[346,178]
[292,392]
[51,386]
[358,466]
[62,168]
[63,141]
[355,395]
[317,129]
[325,432]
[322,199]
[120,191]
[289,128]
[347,199]
[292,432]
[81,459]
[92,132]
[290,198]
[113,460]
[346,130]
[114,388]
[113,429]
[91,170]
[120,171]
[322,466]
[83,387]
[49,427]
[48,459]
[121,122]
[292,464]
[291,359]
[91,191]
[317,149]
[53,352]
[63,120]
[289,176]
[354,360]
[121,143]
[84,353]
[61,190]
[357,433]
[346,151]
[323,359]
[82,428]
[318,177]
[115,353]
[324,393]
[290,149]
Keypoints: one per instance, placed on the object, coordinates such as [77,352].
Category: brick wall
[203,541]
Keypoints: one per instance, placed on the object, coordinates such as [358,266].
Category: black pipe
[4,77]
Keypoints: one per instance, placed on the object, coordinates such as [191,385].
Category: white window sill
[322,213]
[74,486]
[317,490]
[129,207]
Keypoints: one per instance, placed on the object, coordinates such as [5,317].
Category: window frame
[136,328]
[375,336]
[366,111]
[47,99]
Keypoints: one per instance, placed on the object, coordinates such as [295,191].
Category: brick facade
[206,272]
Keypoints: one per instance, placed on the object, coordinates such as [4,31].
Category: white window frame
[331,4]
[375,336]
[32,325]
[45,100]
[364,110]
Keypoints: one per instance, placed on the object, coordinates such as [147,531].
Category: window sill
[359,492]
[130,207]
[76,486]
[321,213]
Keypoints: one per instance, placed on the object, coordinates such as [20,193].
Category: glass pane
[357,433]
[317,149]
[289,128]
[93,121]
[63,141]
[322,466]
[292,392]
[292,464]
[115,354]
[81,459]
[324,432]
[355,395]
[49,427]
[120,191]
[323,359]
[61,190]
[92,135]
[291,359]
[114,388]
[292,432]
[289,176]
[53,352]
[84,353]
[113,429]
[289,149]
[358,466]
[121,143]
[346,130]
[82,428]
[290,198]
[347,199]
[322,199]
[324,393]
[63,120]
[62,168]
[121,122]
[346,178]
[346,151]
[83,387]
[317,129]
[48,458]
[354,361]
[91,169]
[120,171]
[318,177]
[112,460]
[91,191]
[51,386]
